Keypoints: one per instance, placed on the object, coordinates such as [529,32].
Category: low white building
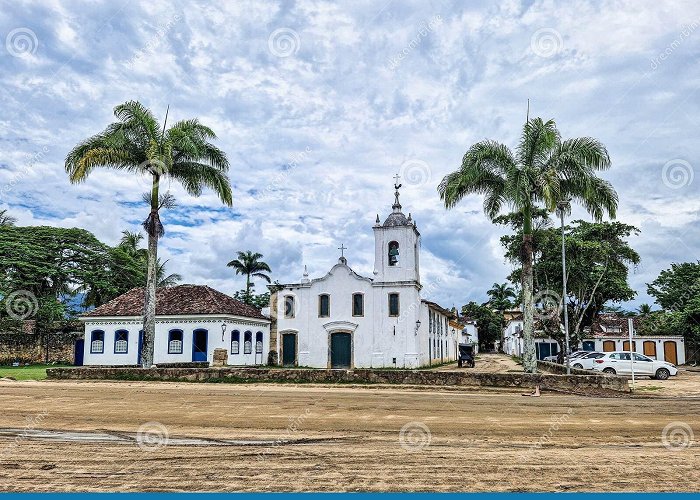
[191,321]
[345,320]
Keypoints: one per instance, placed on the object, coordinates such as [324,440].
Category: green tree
[598,260]
[137,144]
[543,171]
[130,243]
[256,300]
[644,309]
[677,291]
[163,278]
[249,264]
[501,295]
[490,324]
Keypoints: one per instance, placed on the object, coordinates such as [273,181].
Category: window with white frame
[97,342]
[121,342]
[235,342]
[175,342]
[248,343]
[259,343]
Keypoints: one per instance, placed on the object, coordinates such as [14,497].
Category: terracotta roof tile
[177,300]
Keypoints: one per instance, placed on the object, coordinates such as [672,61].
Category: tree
[138,145]
[677,291]
[598,261]
[164,279]
[257,301]
[490,324]
[500,296]
[249,264]
[644,309]
[130,243]
[6,219]
[544,171]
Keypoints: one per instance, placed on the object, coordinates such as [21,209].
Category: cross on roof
[342,249]
[396,181]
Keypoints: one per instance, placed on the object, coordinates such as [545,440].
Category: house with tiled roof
[191,322]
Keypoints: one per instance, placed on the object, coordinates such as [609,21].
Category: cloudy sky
[319,104]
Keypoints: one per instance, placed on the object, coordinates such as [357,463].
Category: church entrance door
[289,349]
[341,350]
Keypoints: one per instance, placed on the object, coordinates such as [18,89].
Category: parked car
[586,362]
[620,362]
[574,355]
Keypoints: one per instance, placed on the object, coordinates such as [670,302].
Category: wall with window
[117,343]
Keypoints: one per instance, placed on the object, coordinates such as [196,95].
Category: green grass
[31,372]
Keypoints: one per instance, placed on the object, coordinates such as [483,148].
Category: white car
[586,362]
[620,362]
[555,357]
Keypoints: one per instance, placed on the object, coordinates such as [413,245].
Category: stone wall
[583,384]
[548,367]
[31,347]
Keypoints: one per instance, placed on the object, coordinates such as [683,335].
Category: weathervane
[397,205]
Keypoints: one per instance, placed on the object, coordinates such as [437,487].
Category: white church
[345,320]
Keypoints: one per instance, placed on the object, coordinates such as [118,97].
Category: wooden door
[341,350]
[626,345]
[650,348]
[670,353]
[289,349]
[608,345]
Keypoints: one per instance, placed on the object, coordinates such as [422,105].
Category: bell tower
[396,245]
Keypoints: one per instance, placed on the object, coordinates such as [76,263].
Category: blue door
[588,345]
[199,345]
[79,352]
[138,351]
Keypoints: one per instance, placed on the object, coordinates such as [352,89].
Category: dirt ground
[135,436]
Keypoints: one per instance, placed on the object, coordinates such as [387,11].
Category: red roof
[177,300]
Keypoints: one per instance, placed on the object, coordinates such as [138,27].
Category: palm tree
[131,242]
[500,295]
[249,263]
[544,171]
[6,220]
[644,309]
[137,144]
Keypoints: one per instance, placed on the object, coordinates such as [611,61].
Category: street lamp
[563,207]
[223,331]
[417,326]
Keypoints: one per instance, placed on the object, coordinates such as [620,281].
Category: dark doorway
[289,349]
[199,345]
[341,350]
[79,352]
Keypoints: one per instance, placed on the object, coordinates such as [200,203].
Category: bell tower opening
[393,253]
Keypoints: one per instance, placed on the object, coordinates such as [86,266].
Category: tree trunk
[149,316]
[529,357]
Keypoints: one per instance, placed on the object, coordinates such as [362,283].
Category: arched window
[393,253]
[393,304]
[248,342]
[97,342]
[288,306]
[235,342]
[259,343]
[121,342]
[324,305]
[358,304]
[175,342]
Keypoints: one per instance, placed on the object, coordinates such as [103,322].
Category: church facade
[345,320]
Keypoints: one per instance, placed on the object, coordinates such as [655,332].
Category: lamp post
[223,331]
[562,207]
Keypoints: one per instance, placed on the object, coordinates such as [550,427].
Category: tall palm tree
[131,242]
[166,280]
[544,171]
[137,144]
[644,309]
[6,220]
[249,263]
[500,295]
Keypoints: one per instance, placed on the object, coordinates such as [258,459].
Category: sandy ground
[330,438]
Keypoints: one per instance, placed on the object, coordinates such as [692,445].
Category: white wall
[639,345]
[188,326]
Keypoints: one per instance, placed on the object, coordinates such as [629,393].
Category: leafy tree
[490,324]
[249,264]
[644,309]
[598,257]
[677,291]
[500,296]
[257,301]
[136,143]
[543,172]
[130,244]
[6,219]
[164,279]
